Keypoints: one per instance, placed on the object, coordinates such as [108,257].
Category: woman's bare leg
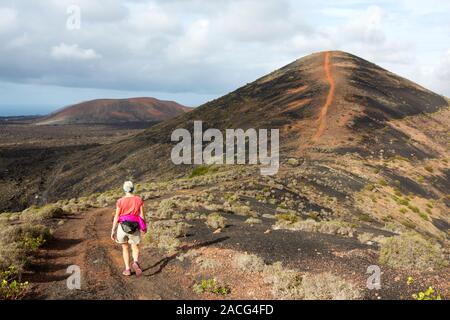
[126,256]
[135,252]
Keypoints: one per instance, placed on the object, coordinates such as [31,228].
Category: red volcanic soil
[329,101]
[116,111]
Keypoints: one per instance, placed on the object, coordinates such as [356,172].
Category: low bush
[10,287]
[164,234]
[194,216]
[411,251]
[367,236]
[287,218]
[429,294]
[207,263]
[329,227]
[212,286]
[166,209]
[249,262]
[50,211]
[215,221]
[253,221]
[18,244]
[290,284]
[202,170]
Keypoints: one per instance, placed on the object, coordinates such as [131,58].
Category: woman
[129,221]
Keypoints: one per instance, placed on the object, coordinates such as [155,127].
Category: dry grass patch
[216,221]
[411,251]
[164,234]
[253,221]
[249,262]
[329,227]
[18,243]
[290,284]
[50,211]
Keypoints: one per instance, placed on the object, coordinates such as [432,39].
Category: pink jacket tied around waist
[134,218]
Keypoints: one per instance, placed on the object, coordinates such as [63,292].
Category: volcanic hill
[111,111]
[354,140]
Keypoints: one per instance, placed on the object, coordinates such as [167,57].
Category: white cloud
[150,17]
[193,44]
[366,26]
[443,69]
[73,52]
[201,47]
[8,19]
[255,20]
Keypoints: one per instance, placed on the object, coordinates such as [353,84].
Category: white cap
[128,186]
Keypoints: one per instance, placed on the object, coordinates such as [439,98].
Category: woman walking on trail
[128,223]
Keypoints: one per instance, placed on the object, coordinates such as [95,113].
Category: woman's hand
[114,225]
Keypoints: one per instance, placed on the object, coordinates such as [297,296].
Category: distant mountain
[110,111]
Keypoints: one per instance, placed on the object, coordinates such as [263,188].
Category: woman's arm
[114,225]
[142,212]
[142,215]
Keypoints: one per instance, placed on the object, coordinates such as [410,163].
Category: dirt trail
[84,241]
[323,112]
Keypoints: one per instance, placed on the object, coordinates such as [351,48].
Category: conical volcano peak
[327,103]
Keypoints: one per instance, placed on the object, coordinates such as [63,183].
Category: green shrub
[208,263]
[287,217]
[34,243]
[414,208]
[202,170]
[290,284]
[253,221]
[164,234]
[194,216]
[215,221]
[408,224]
[326,286]
[429,294]
[10,287]
[398,157]
[401,201]
[429,169]
[19,242]
[50,211]
[166,208]
[365,217]
[293,162]
[411,251]
[211,285]
[329,227]
[249,262]
[424,216]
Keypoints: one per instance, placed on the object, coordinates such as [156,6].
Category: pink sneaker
[136,269]
[126,272]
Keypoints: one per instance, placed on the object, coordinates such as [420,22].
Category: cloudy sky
[193,51]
